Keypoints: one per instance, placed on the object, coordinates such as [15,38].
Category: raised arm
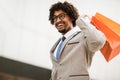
[95,39]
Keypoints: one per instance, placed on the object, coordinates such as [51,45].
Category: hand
[86,16]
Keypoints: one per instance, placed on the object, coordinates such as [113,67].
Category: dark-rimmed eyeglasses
[60,16]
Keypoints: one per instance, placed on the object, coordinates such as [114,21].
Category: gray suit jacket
[77,53]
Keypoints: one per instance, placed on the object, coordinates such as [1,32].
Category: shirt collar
[73,30]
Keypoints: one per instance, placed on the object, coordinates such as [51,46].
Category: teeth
[60,24]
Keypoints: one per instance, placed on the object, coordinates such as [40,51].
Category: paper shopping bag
[111,29]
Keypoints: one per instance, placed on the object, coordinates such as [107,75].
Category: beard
[65,28]
[62,31]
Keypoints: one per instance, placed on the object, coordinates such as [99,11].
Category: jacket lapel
[65,42]
[54,46]
[68,39]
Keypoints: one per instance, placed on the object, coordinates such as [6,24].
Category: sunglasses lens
[60,16]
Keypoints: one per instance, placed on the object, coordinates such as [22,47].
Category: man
[72,61]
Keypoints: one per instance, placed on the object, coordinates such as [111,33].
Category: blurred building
[14,70]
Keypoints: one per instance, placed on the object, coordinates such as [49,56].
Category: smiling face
[62,21]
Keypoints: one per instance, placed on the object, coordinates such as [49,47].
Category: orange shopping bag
[111,29]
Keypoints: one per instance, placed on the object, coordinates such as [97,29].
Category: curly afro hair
[67,8]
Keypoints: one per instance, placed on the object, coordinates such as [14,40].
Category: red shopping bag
[111,29]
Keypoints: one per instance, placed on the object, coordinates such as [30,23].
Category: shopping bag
[111,29]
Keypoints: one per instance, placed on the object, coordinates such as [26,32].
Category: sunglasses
[60,16]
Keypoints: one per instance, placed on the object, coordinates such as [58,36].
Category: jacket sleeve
[95,39]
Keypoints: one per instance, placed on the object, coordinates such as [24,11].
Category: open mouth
[60,25]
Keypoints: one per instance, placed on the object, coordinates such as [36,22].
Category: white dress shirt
[69,33]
